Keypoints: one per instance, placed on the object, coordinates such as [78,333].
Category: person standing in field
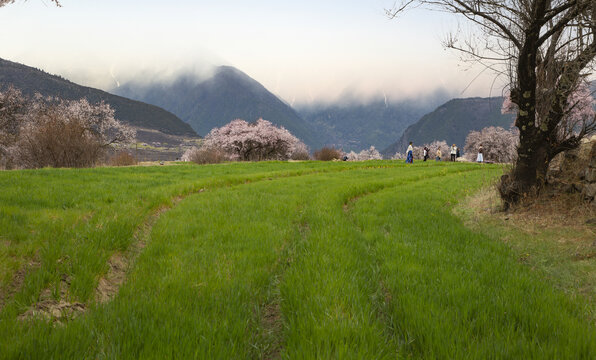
[480,157]
[453,152]
[457,153]
[425,152]
[410,154]
[438,158]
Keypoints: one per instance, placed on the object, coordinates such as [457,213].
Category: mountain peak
[227,95]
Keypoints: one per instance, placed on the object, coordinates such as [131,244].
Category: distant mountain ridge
[229,94]
[30,80]
[356,126]
[452,122]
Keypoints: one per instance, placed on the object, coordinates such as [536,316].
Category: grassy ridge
[296,261]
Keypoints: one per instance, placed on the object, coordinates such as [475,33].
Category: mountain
[227,95]
[30,80]
[355,126]
[452,122]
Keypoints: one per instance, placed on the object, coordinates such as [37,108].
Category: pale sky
[307,50]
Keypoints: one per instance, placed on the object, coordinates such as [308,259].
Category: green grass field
[271,260]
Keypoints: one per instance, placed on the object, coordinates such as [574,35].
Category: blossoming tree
[368,154]
[256,141]
[498,145]
[43,132]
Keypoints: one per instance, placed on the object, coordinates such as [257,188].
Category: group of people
[454,152]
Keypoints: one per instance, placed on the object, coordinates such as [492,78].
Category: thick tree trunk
[529,169]
[529,172]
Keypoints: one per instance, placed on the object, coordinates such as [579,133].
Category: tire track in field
[383,296]
[268,341]
[269,333]
[120,263]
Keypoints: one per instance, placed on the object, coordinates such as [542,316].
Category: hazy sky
[304,50]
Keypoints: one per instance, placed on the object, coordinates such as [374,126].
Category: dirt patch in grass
[55,309]
[108,285]
[272,325]
[58,311]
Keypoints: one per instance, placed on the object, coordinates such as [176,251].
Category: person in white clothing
[480,157]
[410,154]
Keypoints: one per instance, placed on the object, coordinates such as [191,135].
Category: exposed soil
[108,285]
[57,310]
[272,325]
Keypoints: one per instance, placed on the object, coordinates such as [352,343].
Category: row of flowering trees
[261,140]
[367,154]
[243,141]
[44,131]
[499,146]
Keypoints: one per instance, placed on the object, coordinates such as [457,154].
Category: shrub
[122,158]
[300,151]
[327,154]
[300,155]
[205,155]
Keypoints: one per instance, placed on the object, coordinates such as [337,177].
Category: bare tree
[6,2]
[547,49]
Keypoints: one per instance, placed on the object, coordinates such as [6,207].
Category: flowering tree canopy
[42,132]
[367,154]
[97,122]
[256,141]
[578,113]
[498,145]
